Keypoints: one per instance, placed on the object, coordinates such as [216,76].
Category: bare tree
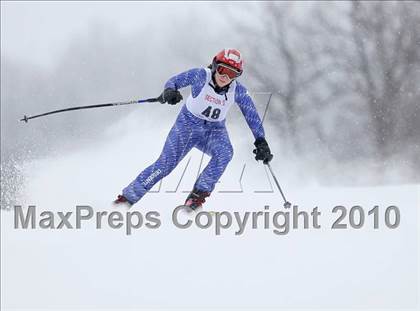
[346,75]
[386,38]
[278,64]
[288,59]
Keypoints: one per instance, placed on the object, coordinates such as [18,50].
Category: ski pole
[149,100]
[286,203]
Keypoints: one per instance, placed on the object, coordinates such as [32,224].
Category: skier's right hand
[170,96]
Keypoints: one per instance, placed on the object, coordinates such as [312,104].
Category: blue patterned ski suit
[191,131]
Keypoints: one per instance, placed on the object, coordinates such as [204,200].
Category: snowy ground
[169,267]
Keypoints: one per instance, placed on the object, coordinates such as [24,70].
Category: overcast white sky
[35,31]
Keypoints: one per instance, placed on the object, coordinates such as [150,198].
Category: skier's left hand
[262,151]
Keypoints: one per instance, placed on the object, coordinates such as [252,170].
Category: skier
[201,124]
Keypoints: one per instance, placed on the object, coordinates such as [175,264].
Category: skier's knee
[228,154]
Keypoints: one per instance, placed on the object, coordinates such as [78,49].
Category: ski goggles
[232,73]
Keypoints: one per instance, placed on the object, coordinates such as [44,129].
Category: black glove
[262,151]
[170,96]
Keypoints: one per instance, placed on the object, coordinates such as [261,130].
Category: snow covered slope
[173,267]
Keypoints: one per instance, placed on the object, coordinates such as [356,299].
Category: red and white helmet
[230,57]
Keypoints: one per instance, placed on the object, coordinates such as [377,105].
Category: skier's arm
[249,111]
[245,103]
[195,77]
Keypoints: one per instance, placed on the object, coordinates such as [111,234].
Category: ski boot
[122,201]
[196,199]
